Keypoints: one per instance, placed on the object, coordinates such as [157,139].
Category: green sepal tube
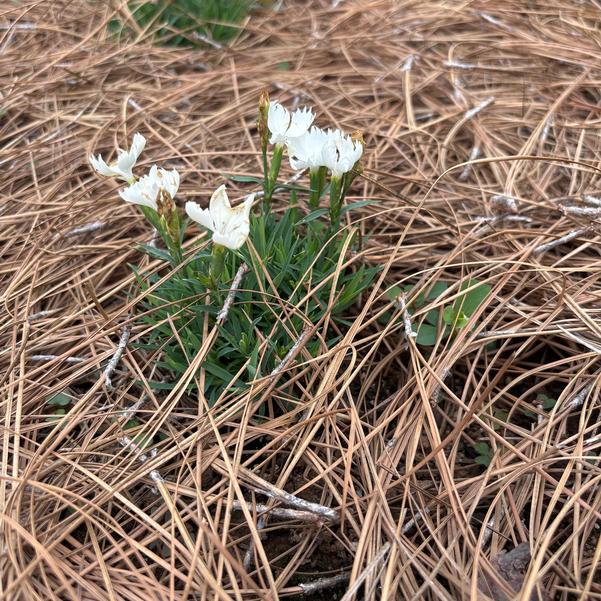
[274,171]
[217,264]
[335,200]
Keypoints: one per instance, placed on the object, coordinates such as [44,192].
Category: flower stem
[274,171]
[317,178]
[265,170]
[217,264]
[335,200]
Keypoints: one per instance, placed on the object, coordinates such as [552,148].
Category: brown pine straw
[377,428]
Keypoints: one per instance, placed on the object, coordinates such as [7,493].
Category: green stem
[335,201]
[274,171]
[317,181]
[217,264]
[265,170]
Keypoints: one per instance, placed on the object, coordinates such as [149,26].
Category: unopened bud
[262,119]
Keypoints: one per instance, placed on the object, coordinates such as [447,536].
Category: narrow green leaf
[244,178]
[60,398]
[357,205]
[312,216]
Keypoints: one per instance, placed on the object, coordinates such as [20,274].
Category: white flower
[126,159]
[307,151]
[230,227]
[285,126]
[146,190]
[341,153]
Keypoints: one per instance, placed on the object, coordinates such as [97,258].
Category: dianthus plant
[275,265]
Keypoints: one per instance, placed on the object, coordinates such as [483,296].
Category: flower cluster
[308,147]
[157,189]
[312,147]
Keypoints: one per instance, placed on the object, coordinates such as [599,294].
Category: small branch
[19,26]
[408,526]
[581,211]
[320,584]
[134,104]
[546,129]
[127,442]
[458,65]
[112,364]
[248,556]
[506,217]
[281,366]
[488,532]
[498,333]
[84,229]
[408,63]
[579,398]
[207,40]
[267,489]
[127,413]
[406,317]
[494,21]
[438,390]
[280,512]
[222,315]
[479,107]
[559,241]
[474,154]
[42,314]
[507,202]
[53,357]
[592,200]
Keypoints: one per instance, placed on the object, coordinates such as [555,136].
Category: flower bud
[262,119]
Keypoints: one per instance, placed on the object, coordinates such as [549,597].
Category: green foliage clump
[295,268]
[186,22]
[299,279]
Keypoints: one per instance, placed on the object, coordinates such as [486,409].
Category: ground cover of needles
[461,464]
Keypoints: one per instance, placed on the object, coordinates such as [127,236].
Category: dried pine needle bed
[368,484]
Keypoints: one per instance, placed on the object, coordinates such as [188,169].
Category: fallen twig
[265,488]
[222,315]
[85,229]
[406,317]
[112,364]
[323,583]
[53,357]
[474,154]
[559,241]
[507,202]
[292,352]
[471,113]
